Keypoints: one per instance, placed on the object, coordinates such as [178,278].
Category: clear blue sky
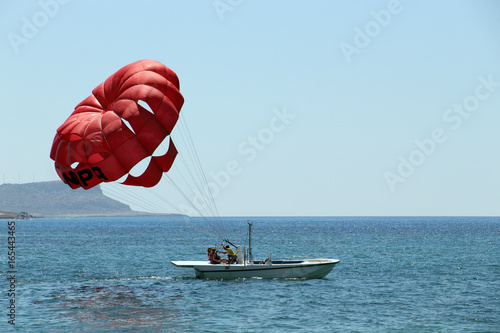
[387,107]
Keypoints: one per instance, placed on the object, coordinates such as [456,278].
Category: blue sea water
[397,274]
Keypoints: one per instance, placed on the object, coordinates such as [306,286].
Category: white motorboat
[246,267]
[303,269]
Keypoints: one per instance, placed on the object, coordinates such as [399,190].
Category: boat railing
[248,260]
[290,258]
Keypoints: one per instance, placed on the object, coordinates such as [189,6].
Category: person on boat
[217,257]
[230,254]
[209,253]
[212,256]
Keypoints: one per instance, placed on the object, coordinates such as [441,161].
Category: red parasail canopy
[95,145]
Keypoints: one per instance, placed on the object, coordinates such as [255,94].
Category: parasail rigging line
[195,160]
[118,191]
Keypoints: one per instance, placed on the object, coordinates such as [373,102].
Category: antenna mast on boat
[250,256]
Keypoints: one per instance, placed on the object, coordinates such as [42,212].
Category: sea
[113,274]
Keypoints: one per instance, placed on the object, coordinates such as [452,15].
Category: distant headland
[54,198]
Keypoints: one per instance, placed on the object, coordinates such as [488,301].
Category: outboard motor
[239,255]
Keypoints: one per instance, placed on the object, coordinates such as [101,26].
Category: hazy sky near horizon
[295,107]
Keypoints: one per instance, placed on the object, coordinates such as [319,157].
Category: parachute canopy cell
[113,129]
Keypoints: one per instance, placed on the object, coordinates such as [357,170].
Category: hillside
[56,199]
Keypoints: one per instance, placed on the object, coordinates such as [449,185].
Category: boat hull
[303,269]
